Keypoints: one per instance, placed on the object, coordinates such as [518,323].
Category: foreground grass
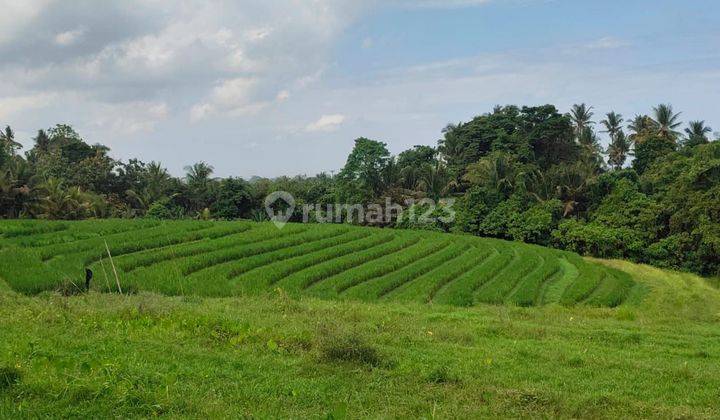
[102,355]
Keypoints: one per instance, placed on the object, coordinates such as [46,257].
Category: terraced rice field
[329,261]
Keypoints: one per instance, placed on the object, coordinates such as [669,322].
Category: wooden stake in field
[117,279]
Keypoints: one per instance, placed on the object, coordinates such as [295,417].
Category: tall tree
[550,135]
[666,121]
[7,141]
[361,179]
[200,184]
[619,149]
[498,171]
[198,173]
[412,164]
[639,125]
[619,146]
[8,146]
[613,124]
[591,151]
[581,116]
[697,133]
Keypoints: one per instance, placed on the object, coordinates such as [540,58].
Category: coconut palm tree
[433,181]
[201,185]
[581,116]
[619,149]
[697,133]
[571,182]
[198,173]
[157,179]
[496,170]
[613,124]
[7,141]
[640,124]
[8,194]
[591,151]
[58,202]
[666,121]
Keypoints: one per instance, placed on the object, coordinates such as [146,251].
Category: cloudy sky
[278,87]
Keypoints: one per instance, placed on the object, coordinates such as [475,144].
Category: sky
[283,87]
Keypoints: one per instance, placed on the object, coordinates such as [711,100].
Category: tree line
[529,174]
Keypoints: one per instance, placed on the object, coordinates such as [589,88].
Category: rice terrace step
[218,258]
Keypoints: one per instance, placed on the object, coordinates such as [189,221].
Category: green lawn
[278,355]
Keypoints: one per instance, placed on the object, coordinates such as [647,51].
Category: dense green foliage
[528,174]
[211,258]
[111,356]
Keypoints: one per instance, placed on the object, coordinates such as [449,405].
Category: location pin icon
[279,218]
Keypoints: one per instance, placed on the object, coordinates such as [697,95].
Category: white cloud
[16,14]
[326,123]
[607,43]
[233,97]
[234,93]
[67,38]
[200,112]
[129,118]
[16,105]
[223,58]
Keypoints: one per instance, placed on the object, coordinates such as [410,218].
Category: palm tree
[434,180]
[640,124]
[619,149]
[613,124]
[7,141]
[581,116]
[496,170]
[619,144]
[198,173]
[571,182]
[591,151]
[201,185]
[8,194]
[42,141]
[157,179]
[666,121]
[697,133]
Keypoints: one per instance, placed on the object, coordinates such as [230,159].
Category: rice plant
[214,258]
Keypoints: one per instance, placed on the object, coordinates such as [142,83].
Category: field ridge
[219,258]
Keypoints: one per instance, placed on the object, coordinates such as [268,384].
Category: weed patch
[9,377]
[348,347]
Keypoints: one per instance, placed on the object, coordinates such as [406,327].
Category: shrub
[164,209]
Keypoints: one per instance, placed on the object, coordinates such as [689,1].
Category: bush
[536,224]
[164,209]
[598,240]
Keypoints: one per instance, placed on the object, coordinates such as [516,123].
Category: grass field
[106,355]
[222,259]
[344,334]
